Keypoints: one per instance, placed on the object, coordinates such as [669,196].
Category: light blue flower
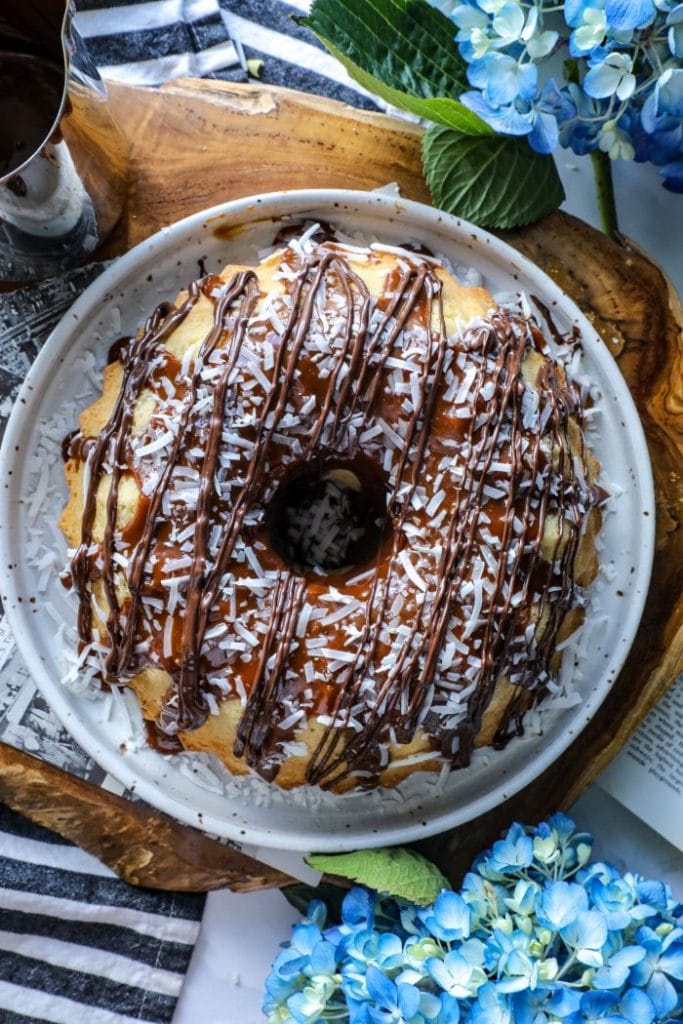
[503,79]
[538,43]
[316,913]
[653,895]
[561,904]
[448,918]
[507,120]
[517,849]
[660,968]
[586,935]
[365,947]
[491,6]
[611,77]
[589,21]
[393,1004]
[530,1007]
[491,1007]
[449,1010]
[675,33]
[556,942]
[473,35]
[417,949]
[614,141]
[509,956]
[596,1007]
[617,966]
[486,899]
[523,898]
[564,1002]
[308,1006]
[636,1007]
[456,975]
[358,907]
[295,958]
[508,23]
[629,14]
[617,897]
[410,920]
[666,100]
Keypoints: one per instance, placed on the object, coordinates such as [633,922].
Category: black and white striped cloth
[79,946]
[147,43]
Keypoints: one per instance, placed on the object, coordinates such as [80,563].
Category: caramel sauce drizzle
[405,695]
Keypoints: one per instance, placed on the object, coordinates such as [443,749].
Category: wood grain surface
[198,143]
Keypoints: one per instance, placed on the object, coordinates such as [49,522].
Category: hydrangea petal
[629,14]
[662,993]
[544,135]
[508,22]
[675,33]
[602,81]
[450,1010]
[671,961]
[506,120]
[637,1007]
[562,902]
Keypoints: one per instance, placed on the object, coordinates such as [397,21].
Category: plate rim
[52,689]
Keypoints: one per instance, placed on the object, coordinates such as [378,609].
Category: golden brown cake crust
[452,343]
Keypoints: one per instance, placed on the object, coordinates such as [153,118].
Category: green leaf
[495,181]
[395,871]
[299,895]
[401,50]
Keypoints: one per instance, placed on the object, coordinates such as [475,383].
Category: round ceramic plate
[194,788]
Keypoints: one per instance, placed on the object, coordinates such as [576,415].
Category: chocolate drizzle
[424,650]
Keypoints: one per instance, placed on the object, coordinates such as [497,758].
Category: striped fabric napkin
[147,43]
[79,946]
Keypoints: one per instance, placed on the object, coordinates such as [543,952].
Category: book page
[647,776]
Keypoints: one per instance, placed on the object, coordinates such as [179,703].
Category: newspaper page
[647,775]
[27,723]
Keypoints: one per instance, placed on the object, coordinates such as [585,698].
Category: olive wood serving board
[196,143]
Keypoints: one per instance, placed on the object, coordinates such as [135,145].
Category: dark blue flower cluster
[536,935]
[627,99]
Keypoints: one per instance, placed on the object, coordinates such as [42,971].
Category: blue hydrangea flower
[514,852]
[616,967]
[393,1004]
[660,968]
[625,15]
[612,76]
[509,956]
[561,903]
[308,1006]
[674,23]
[492,1007]
[558,941]
[623,99]
[485,899]
[588,20]
[358,908]
[456,975]
[585,936]
[448,918]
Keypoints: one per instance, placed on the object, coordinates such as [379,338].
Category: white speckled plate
[32,491]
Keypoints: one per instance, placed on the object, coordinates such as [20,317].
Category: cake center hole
[329,518]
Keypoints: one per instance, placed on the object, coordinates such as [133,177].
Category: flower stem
[602,172]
